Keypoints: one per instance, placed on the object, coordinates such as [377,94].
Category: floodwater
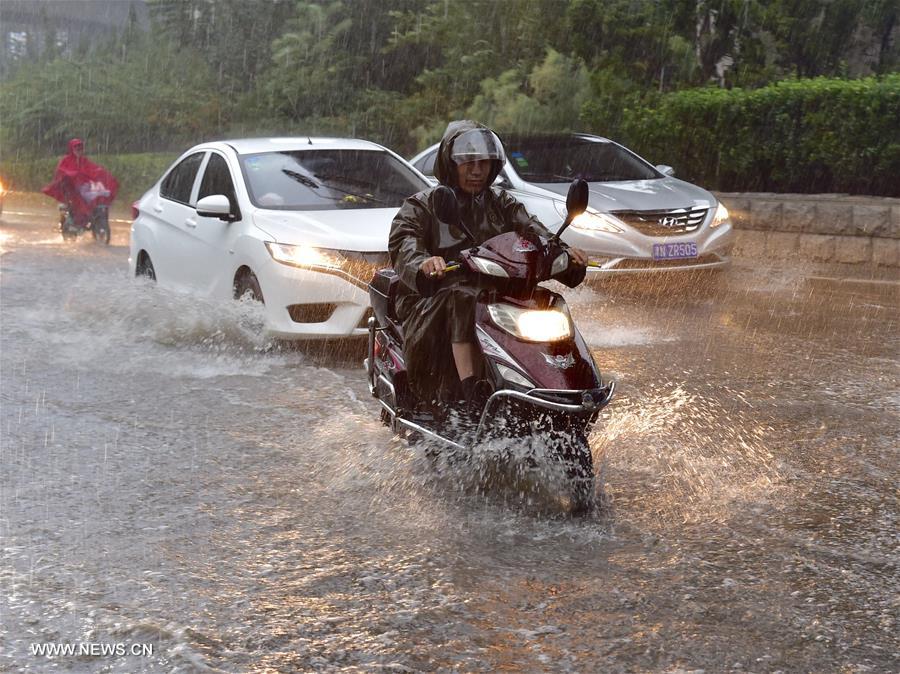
[170,479]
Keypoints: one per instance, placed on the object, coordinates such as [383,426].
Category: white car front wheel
[247,285]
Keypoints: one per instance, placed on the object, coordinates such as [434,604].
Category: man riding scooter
[436,310]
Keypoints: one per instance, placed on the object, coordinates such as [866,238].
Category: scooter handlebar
[453,266]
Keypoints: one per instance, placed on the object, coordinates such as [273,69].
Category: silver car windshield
[561,160]
[328,179]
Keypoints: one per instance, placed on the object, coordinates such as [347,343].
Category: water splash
[677,454]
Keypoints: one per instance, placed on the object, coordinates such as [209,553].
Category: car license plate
[674,251]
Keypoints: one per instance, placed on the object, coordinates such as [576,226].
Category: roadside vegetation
[774,95]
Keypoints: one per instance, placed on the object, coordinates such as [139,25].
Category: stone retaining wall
[820,227]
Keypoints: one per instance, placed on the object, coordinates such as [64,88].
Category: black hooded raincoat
[431,324]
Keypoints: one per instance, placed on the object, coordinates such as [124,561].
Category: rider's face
[78,150]
[472,176]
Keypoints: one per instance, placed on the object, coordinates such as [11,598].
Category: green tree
[882,17]
[234,35]
[311,74]
[157,96]
[549,99]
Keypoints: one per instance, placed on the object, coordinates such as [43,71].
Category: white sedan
[299,224]
[640,217]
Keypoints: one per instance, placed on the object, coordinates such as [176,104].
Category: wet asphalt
[171,478]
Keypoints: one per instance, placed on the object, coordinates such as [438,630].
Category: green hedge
[136,173]
[808,136]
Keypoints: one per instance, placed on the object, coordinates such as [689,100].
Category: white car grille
[664,223]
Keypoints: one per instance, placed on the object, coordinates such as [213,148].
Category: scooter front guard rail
[505,394]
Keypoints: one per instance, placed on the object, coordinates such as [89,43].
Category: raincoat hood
[445,167]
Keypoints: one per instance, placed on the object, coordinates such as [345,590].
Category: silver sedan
[640,217]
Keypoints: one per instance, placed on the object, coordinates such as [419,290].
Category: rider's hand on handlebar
[434,266]
[578,256]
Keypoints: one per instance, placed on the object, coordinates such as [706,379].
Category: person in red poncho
[81,183]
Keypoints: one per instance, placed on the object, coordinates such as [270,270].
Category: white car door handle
[158,209]
[190,222]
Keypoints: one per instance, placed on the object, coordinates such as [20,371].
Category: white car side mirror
[667,171]
[214,206]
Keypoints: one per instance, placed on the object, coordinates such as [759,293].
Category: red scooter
[542,376]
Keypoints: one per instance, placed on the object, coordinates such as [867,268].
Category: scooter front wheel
[100,228]
[68,232]
[580,471]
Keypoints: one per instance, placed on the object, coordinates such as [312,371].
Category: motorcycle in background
[73,224]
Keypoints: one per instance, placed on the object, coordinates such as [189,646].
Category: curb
[874,284]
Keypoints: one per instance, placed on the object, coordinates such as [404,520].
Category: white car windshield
[328,179]
[561,160]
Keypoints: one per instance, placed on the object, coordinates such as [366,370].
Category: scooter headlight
[488,267]
[304,256]
[548,325]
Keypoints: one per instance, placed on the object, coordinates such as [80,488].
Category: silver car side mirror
[666,170]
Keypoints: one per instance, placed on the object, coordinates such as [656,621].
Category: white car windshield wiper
[312,184]
[327,181]
[302,179]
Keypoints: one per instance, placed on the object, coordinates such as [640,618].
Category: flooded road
[172,480]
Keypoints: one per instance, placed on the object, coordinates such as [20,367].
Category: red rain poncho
[81,183]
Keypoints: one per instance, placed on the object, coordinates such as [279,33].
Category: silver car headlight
[591,220]
[488,267]
[721,217]
[532,325]
[304,256]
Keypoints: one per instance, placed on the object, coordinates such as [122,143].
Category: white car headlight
[721,216]
[488,267]
[549,325]
[304,256]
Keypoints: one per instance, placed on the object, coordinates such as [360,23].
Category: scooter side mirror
[446,205]
[577,198]
[576,203]
[446,208]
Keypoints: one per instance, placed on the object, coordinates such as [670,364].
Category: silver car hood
[361,229]
[640,195]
